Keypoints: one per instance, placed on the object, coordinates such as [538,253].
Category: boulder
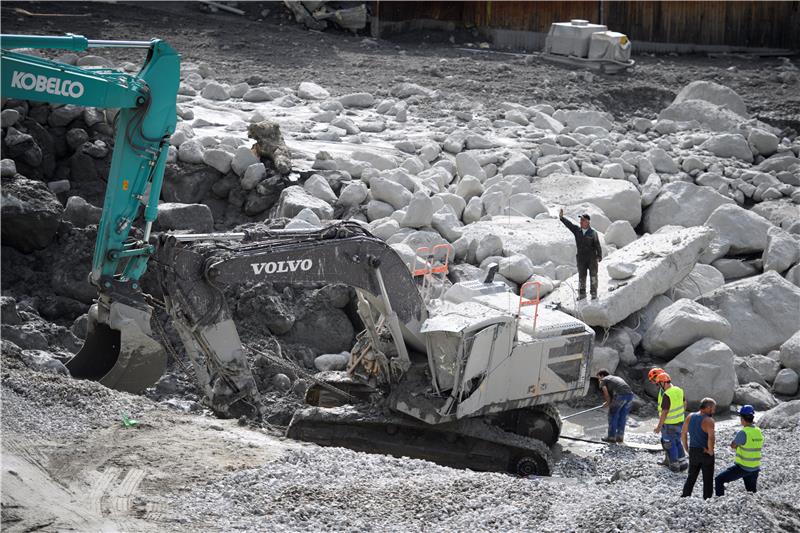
[714,93]
[261,94]
[784,415]
[763,142]
[419,213]
[786,382]
[390,192]
[488,246]
[518,268]
[353,194]
[708,115]
[746,373]
[7,168]
[662,260]
[357,100]
[379,161]
[756,395]
[215,91]
[766,367]
[447,224]
[761,309]
[743,230]
[662,162]
[681,324]
[540,240]
[218,159]
[619,199]
[618,270]
[729,145]
[701,280]
[332,361]
[196,218]
[620,233]
[790,352]
[81,213]
[705,369]
[526,204]
[469,187]
[640,321]
[517,164]
[294,199]
[575,119]
[29,214]
[603,357]
[467,165]
[43,361]
[243,157]
[682,204]
[318,187]
[311,91]
[188,184]
[782,250]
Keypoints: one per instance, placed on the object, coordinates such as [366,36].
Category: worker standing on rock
[589,252]
[670,423]
[699,438]
[747,444]
[618,397]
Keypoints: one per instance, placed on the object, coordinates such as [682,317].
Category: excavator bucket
[120,351]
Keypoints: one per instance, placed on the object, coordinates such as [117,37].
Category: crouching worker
[699,438]
[618,397]
[670,423]
[747,444]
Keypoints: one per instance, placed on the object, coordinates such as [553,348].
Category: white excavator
[467,378]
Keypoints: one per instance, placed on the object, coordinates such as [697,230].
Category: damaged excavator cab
[119,350]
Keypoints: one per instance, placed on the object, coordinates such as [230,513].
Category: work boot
[620,439]
[675,467]
[594,297]
[609,439]
[684,465]
[663,462]
[581,296]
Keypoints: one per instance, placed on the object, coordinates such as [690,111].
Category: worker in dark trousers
[747,444]
[619,399]
[699,438]
[589,252]
[670,423]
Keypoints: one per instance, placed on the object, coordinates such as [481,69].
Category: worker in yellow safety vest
[747,444]
[651,377]
[670,422]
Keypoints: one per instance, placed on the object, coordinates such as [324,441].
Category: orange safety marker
[530,301]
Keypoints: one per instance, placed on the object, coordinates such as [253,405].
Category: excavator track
[474,443]
[541,422]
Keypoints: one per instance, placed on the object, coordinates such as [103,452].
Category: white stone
[357,100]
[447,223]
[682,204]
[253,176]
[782,250]
[456,202]
[309,216]
[604,357]
[318,187]
[468,187]
[790,352]
[8,168]
[473,211]
[681,324]
[518,268]
[662,162]
[710,116]
[311,91]
[261,94]
[746,373]
[786,382]
[576,119]
[618,199]
[701,280]
[294,199]
[191,152]
[353,194]
[612,171]
[390,192]
[705,369]
[238,90]
[517,164]
[243,157]
[218,159]
[541,240]
[215,91]
[785,415]
[419,213]
[467,165]
[488,245]
[763,142]
[761,309]
[332,361]
[662,261]
[742,229]
[526,205]
[640,321]
[384,228]
[766,367]
[619,270]
[620,233]
[518,116]
[381,162]
[714,93]
[756,395]
[378,210]
[729,145]
[651,189]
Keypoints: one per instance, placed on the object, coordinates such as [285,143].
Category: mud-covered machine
[463,374]
[579,43]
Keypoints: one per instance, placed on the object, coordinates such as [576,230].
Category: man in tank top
[698,437]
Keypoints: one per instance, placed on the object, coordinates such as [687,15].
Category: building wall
[749,24]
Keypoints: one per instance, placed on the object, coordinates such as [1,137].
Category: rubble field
[688,165]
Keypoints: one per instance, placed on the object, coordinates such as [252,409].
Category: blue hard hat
[747,410]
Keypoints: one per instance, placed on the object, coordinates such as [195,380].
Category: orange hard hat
[663,377]
[653,373]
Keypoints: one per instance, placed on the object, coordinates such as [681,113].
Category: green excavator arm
[119,350]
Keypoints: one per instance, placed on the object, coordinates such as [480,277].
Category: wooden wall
[769,24]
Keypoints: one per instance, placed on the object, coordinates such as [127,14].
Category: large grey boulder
[81,213]
[743,230]
[29,214]
[540,240]
[640,321]
[714,93]
[682,324]
[467,165]
[782,250]
[761,309]
[701,280]
[332,361]
[729,145]
[705,369]
[390,192]
[786,382]
[746,373]
[193,217]
[756,395]
[620,233]
[766,367]
[682,204]
[619,199]
[419,213]
[784,415]
[294,199]
[662,260]
[790,352]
